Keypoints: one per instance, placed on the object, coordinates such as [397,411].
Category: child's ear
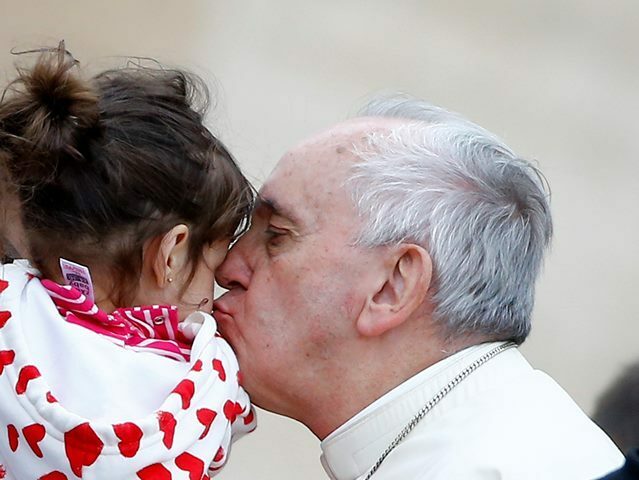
[171,256]
[402,290]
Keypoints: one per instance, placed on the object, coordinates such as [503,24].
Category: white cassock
[504,421]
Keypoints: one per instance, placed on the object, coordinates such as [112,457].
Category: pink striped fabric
[149,328]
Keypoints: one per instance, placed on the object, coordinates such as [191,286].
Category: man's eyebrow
[276,208]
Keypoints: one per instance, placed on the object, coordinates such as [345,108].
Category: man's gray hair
[447,184]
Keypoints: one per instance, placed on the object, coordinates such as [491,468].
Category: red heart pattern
[6,358]
[3,285]
[232,410]
[157,471]
[185,389]
[218,461]
[192,464]
[54,476]
[27,373]
[51,398]
[167,424]
[130,435]
[197,366]
[249,418]
[206,416]
[12,433]
[4,318]
[82,447]
[219,368]
[219,455]
[34,434]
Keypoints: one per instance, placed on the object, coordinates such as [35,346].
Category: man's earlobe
[401,292]
[171,255]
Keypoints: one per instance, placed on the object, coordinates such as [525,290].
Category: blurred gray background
[556,79]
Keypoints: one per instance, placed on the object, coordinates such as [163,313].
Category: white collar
[349,451]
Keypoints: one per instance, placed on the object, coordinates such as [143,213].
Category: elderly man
[381,293]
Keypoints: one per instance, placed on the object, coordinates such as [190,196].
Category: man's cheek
[351,306]
[320,344]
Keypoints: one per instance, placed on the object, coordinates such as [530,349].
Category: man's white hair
[483,214]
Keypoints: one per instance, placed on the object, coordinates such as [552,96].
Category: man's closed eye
[275,235]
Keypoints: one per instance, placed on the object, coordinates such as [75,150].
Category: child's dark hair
[100,166]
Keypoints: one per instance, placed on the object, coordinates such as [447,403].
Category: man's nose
[234,272]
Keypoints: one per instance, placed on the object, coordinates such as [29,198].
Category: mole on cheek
[340,150]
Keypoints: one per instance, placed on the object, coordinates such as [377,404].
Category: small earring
[170,279]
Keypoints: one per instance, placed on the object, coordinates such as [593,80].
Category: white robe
[505,421]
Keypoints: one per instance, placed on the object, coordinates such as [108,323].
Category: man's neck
[373,377]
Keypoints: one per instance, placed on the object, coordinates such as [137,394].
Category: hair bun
[48,117]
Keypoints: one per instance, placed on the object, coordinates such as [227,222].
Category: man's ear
[171,255]
[402,290]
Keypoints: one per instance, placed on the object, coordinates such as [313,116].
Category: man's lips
[222,317]
[225,321]
[221,311]
[228,303]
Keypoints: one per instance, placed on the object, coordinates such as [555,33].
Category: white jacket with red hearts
[74,404]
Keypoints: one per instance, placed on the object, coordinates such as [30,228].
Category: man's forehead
[331,150]
[310,177]
[345,134]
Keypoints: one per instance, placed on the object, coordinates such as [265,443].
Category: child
[125,198]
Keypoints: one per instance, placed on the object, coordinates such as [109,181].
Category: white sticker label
[77,276]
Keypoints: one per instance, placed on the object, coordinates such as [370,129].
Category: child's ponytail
[46,118]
